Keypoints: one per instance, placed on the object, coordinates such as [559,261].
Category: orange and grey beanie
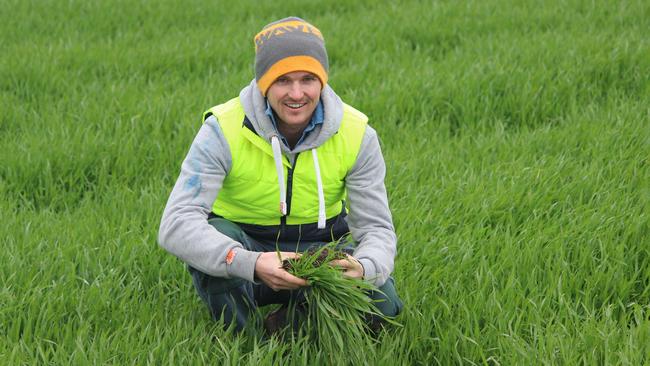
[287,45]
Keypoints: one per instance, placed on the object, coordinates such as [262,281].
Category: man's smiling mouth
[295,105]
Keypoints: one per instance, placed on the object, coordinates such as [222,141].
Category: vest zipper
[283,220]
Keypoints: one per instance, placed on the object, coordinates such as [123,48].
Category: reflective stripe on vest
[250,192]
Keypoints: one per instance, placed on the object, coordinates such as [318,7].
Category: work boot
[284,317]
[276,320]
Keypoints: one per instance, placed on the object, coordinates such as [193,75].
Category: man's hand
[268,269]
[351,266]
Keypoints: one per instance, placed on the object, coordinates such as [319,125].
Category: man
[275,168]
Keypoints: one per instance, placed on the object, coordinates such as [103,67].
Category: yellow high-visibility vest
[250,192]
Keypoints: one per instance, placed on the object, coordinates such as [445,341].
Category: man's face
[294,97]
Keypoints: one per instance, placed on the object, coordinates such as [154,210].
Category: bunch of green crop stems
[337,308]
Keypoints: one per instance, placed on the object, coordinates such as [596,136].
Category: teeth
[295,105]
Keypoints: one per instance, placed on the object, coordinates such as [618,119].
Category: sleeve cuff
[369,270]
[243,264]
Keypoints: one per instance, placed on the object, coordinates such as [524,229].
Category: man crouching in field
[276,166]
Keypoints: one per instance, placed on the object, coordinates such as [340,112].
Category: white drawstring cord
[277,158]
[321,196]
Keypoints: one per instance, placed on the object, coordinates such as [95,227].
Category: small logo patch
[230,256]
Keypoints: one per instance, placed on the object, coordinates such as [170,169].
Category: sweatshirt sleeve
[370,220]
[184,229]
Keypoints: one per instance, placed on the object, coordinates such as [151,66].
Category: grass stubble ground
[516,136]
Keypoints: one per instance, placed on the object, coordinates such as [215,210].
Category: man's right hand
[268,269]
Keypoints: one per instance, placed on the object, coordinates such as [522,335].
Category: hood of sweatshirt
[254,105]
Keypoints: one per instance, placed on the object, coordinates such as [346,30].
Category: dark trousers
[236,300]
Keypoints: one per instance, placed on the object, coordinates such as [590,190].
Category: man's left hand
[351,266]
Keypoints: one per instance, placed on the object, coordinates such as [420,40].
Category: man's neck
[291,133]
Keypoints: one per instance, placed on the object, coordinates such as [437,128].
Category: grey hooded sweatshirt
[184,229]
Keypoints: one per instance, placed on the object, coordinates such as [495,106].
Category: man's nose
[295,92]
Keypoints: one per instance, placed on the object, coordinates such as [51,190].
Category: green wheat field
[517,141]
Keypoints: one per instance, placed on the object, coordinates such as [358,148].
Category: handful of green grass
[338,307]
